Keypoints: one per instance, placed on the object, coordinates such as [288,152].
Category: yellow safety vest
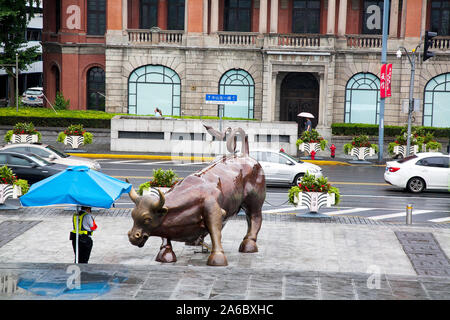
[80,224]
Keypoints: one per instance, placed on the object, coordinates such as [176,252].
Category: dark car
[29,166]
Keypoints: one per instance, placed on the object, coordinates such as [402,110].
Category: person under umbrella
[86,225]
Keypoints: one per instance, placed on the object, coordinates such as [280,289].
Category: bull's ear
[163,211]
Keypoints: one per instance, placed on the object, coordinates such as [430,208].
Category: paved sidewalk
[297,259]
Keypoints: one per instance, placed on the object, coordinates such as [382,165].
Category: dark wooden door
[299,93]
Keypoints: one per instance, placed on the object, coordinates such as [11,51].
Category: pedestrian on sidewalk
[308,125]
[86,225]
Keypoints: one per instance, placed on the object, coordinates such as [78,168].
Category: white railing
[363,41]
[140,36]
[441,43]
[294,40]
[243,39]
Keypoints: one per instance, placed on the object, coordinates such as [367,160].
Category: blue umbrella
[77,185]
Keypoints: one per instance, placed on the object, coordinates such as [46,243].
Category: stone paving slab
[296,260]
[97,281]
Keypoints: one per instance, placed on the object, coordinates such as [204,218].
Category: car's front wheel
[415,185]
[298,179]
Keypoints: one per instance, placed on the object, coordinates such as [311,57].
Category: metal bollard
[409,208]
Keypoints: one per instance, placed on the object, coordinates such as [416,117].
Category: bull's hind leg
[252,206]
[166,254]
[214,219]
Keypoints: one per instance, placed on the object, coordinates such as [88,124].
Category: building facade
[280,57]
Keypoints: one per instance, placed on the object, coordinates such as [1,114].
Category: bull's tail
[231,139]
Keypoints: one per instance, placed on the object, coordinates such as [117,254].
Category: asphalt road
[363,191]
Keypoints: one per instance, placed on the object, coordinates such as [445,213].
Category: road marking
[284,209]
[348,211]
[399,197]
[398,214]
[361,183]
[446,219]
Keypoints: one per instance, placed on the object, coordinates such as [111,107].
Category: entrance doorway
[299,93]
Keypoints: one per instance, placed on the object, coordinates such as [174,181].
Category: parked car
[29,166]
[51,154]
[33,97]
[282,169]
[428,170]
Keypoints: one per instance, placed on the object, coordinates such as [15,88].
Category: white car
[428,170]
[51,154]
[33,97]
[282,169]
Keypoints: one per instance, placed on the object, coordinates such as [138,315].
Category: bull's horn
[161,201]
[133,194]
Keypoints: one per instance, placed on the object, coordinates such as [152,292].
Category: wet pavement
[336,258]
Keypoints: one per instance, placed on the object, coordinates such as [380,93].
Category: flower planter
[309,147]
[362,152]
[314,200]
[402,150]
[24,138]
[149,190]
[9,191]
[74,141]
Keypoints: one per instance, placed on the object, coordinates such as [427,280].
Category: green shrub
[61,103]
[23,184]
[161,178]
[352,129]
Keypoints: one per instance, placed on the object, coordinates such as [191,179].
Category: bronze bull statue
[202,202]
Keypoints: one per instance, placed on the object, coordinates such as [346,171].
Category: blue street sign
[221,98]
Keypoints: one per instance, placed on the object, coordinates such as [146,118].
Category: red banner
[388,79]
[383,81]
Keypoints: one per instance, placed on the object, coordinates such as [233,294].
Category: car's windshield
[40,161]
[407,158]
[59,153]
[291,158]
[33,92]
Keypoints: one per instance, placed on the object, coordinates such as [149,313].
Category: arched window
[96,89]
[362,97]
[240,83]
[154,86]
[436,108]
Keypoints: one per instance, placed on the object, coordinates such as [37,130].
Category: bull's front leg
[166,254]
[213,219]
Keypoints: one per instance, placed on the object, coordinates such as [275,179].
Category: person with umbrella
[85,224]
[307,116]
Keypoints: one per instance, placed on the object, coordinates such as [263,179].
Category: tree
[14,18]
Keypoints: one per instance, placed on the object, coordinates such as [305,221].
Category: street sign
[221,98]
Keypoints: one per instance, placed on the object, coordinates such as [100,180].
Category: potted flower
[398,147]
[23,132]
[360,147]
[10,186]
[75,136]
[429,143]
[314,193]
[162,179]
[311,141]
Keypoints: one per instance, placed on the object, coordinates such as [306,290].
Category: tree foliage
[14,18]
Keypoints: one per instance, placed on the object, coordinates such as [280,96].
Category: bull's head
[147,216]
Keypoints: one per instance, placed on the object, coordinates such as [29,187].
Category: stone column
[274,16]
[205,16]
[342,20]
[214,16]
[424,18]
[393,24]
[263,16]
[322,96]
[403,21]
[124,15]
[331,16]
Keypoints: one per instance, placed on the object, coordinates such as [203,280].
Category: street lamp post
[412,61]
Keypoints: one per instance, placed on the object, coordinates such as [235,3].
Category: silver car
[282,169]
[33,97]
[51,154]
